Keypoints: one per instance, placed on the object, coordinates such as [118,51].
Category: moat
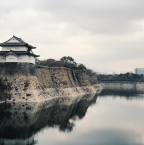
[110,118]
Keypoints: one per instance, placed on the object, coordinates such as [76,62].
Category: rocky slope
[29,83]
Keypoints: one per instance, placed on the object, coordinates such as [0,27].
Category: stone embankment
[22,82]
[123,85]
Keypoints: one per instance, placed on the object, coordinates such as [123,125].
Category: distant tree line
[120,77]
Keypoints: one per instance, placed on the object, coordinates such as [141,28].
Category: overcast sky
[105,35]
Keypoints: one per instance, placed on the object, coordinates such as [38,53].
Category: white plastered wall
[26,58]
[23,58]
[11,58]
[31,59]
[21,48]
[14,58]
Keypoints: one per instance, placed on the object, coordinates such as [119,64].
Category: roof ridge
[19,39]
[7,43]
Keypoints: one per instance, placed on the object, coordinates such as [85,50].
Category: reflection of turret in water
[28,141]
[20,121]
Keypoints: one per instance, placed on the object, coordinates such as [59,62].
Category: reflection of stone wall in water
[20,121]
[27,82]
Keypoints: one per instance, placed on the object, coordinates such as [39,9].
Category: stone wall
[27,82]
[93,78]
[17,69]
[123,85]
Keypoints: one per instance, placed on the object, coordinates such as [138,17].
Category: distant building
[139,71]
[17,50]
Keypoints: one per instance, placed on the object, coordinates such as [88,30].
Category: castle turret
[17,50]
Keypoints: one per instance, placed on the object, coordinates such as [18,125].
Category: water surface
[111,118]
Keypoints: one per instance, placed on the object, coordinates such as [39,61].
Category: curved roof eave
[11,54]
[22,43]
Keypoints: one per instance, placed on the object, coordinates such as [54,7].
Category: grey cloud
[6,7]
[97,16]
[94,32]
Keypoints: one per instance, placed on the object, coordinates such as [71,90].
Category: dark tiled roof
[19,39]
[22,43]
[10,53]
[18,53]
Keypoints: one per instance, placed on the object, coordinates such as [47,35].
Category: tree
[37,61]
[50,62]
[46,62]
[67,59]
[68,62]
[81,67]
